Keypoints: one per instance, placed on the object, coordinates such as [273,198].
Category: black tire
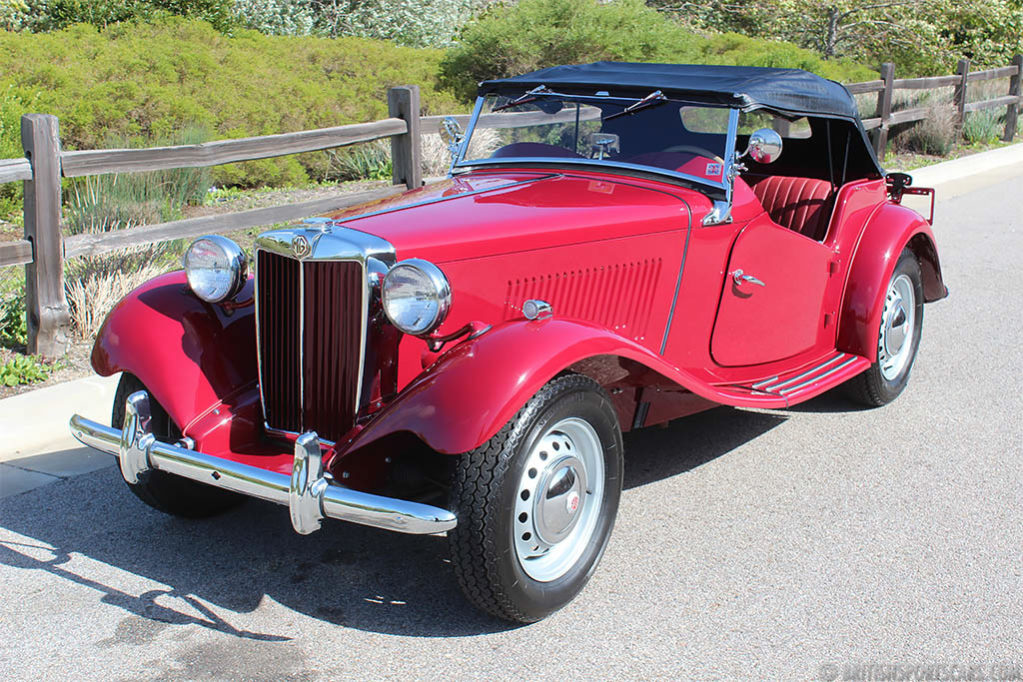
[162,491]
[877,385]
[486,492]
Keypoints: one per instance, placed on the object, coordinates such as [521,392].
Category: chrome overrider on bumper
[309,492]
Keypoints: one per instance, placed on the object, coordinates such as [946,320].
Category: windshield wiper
[655,97]
[524,99]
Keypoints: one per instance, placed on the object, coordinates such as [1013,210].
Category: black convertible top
[747,87]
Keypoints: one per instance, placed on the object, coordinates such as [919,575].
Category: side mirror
[452,135]
[764,146]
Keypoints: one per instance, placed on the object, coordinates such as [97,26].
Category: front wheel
[537,502]
[162,491]
[898,337]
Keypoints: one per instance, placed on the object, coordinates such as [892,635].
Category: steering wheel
[698,151]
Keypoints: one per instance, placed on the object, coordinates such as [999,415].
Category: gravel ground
[750,545]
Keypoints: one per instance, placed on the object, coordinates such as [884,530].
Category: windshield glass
[651,133]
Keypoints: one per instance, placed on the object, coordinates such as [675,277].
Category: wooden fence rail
[93,162]
[44,249]
[884,118]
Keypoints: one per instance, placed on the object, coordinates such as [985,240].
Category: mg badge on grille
[300,246]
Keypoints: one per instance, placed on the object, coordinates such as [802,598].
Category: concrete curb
[36,421]
[978,168]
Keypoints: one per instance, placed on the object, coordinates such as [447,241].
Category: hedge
[141,83]
[532,34]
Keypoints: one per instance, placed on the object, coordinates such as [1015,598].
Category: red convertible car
[617,245]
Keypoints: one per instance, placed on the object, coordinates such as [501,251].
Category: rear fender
[465,397]
[890,230]
[190,354]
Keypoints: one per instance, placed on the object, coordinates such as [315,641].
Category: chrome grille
[310,316]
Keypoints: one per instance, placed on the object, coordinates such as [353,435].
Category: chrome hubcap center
[896,334]
[558,500]
[556,510]
[894,346]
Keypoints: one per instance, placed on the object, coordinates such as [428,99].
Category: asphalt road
[748,545]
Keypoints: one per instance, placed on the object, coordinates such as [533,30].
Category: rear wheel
[537,502]
[897,339]
[162,491]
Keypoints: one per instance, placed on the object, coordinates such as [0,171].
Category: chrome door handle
[738,276]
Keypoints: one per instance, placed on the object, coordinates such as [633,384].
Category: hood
[488,213]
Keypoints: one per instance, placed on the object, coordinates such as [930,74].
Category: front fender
[890,230]
[470,392]
[190,354]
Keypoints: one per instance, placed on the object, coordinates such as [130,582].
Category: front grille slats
[310,332]
[279,292]
[332,344]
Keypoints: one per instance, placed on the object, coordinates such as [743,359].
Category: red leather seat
[800,204]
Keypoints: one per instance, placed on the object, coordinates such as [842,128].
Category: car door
[772,296]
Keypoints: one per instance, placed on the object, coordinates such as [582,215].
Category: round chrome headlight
[416,296]
[216,268]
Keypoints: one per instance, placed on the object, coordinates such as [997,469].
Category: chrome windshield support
[463,146]
[721,211]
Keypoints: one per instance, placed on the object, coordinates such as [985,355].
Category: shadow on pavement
[832,401]
[656,453]
[344,574]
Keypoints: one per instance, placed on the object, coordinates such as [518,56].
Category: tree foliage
[920,36]
[52,15]
[532,34]
[416,23]
[275,17]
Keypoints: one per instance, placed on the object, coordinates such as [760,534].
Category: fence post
[406,150]
[45,302]
[781,126]
[884,109]
[1012,111]
[959,95]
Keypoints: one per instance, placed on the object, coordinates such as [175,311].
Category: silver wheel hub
[558,500]
[894,343]
[556,509]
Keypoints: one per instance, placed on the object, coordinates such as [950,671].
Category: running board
[798,385]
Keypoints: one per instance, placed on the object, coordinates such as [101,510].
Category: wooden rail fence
[44,249]
[884,118]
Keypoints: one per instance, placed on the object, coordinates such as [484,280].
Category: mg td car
[617,245]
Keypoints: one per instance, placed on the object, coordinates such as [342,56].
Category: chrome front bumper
[309,493]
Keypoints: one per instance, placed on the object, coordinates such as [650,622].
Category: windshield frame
[727,176]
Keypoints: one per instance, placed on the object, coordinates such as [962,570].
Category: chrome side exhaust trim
[309,492]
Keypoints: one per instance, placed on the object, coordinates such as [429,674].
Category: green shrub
[936,134]
[13,325]
[23,369]
[142,82]
[533,34]
[738,50]
[362,162]
[12,107]
[53,15]
[514,39]
[100,203]
[983,126]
